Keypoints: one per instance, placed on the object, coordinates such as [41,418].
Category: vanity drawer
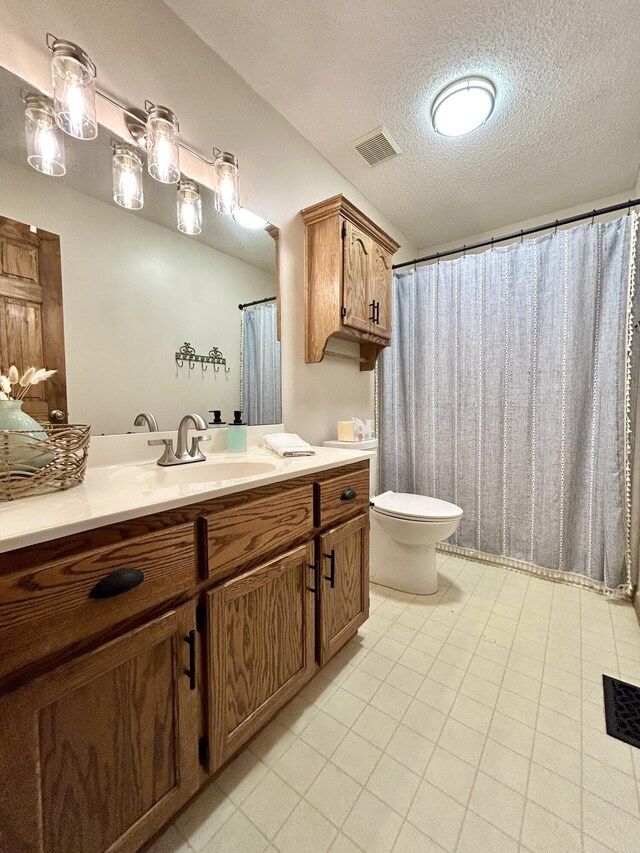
[262,527]
[343,496]
[49,608]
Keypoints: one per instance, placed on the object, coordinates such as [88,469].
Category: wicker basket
[32,466]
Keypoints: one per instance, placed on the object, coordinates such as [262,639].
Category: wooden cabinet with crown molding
[348,271]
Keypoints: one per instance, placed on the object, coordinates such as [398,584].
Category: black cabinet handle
[190,639]
[349,495]
[315,568]
[372,316]
[331,577]
[116,583]
[377,320]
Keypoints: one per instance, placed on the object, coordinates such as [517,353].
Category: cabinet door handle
[372,316]
[377,320]
[116,583]
[315,568]
[349,495]
[331,577]
[190,639]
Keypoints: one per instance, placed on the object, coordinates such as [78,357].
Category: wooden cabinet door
[99,753]
[261,647]
[31,324]
[381,273]
[344,583]
[356,276]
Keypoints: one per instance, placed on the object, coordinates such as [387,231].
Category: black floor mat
[622,710]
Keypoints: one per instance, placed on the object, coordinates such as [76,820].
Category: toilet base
[406,568]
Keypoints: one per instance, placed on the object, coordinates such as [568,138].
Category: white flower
[27,376]
[3,396]
[5,385]
[14,376]
[41,374]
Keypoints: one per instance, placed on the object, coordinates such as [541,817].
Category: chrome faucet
[148,419]
[182,456]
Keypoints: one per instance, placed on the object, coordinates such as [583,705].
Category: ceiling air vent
[377,146]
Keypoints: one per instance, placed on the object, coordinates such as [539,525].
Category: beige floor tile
[240,777]
[272,742]
[489,651]
[205,816]
[357,757]
[238,835]
[480,690]
[319,690]
[437,695]
[401,633]
[517,707]
[610,784]
[459,658]
[333,793]
[543,832]
[361,684]
[411,840]
[478,836]
[559,727]
[424,719]
[410,749]
[451,774]
[344,707]
[391,701]
[512,734]
[416,660]
[561,701]
[297,715]
[610,825]
[438,815]
[270,804]
[305,831]
[556,794]
[342,844]
[170,842]
[607,749]
[464,742]
[376,665]
[405,679]
[445,673]
[299,765]
[324,733]
[473,714]
[558,757]
[394,784]
[501,806]
[505,765]
[525,665]
[521,684]
[372,824]
[389,648]
[375,726]
[486,669]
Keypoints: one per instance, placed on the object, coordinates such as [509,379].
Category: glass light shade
[248,219]
[463,106]
[45,140]
[74,90]
[163,145]
[189,207]
[227,196]
[126,170]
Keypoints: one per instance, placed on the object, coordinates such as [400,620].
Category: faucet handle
[156,442]
[195,452]
[169,456]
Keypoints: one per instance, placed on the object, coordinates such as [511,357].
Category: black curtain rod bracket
[536,229]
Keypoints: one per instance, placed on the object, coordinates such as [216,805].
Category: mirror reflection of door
[31,322]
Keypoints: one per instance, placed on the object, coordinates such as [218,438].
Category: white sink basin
[212,471]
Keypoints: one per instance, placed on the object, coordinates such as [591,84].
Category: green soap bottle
[237,434]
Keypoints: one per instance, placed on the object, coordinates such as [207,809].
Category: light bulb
[127,176]
[74,89]
[45,141]
[189,207]
[226,173]
[163,145]
[75,108]
[248,219]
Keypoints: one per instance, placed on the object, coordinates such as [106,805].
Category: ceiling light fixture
[189,207]
[225,167]
[45,140]
[248,219]
[126,171]
[163,145]
[74,88]
[463,106]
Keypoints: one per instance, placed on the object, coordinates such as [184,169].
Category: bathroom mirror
[150,316]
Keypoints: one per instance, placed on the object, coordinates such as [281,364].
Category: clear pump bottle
[237,434]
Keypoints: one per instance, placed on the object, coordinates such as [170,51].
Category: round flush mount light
[463,106]
[248,219]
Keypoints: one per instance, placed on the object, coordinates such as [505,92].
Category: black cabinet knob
[348,495]
[115,583]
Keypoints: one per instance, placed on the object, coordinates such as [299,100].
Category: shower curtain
[509,391]
[260,369]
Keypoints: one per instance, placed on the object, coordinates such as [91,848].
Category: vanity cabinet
[348,271]
[343,602]
[261,647]
[114,711]
[99,753]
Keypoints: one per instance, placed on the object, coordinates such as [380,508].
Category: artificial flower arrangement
[14,387]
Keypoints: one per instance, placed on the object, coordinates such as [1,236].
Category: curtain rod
[633,202]
[256,302]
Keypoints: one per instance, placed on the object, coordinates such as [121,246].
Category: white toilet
[405,530]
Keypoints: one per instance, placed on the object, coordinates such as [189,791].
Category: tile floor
[467,721]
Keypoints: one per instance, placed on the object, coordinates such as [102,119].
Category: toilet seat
[415,507]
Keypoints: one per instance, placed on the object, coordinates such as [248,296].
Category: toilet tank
[371,446]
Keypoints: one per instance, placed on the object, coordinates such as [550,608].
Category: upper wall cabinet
[348,273]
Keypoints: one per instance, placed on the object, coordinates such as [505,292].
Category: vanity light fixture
[463,106]
[248,219]
[163,146]
[126,169]
[189,207]
[225,167]
[45,140]
[74,88]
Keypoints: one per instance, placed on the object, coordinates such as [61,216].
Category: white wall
[142,50]
[133,293]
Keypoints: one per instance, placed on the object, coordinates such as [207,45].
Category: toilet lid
[416,507]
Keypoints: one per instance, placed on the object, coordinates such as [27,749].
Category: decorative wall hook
[188,354]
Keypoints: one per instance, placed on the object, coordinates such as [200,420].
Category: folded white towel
[288,444]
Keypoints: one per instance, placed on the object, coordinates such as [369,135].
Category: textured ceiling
[565,131]
[89,172]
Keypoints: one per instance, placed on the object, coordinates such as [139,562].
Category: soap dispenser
[217,421]
[237,434]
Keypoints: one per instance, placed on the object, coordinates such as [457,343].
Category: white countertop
[112,493]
